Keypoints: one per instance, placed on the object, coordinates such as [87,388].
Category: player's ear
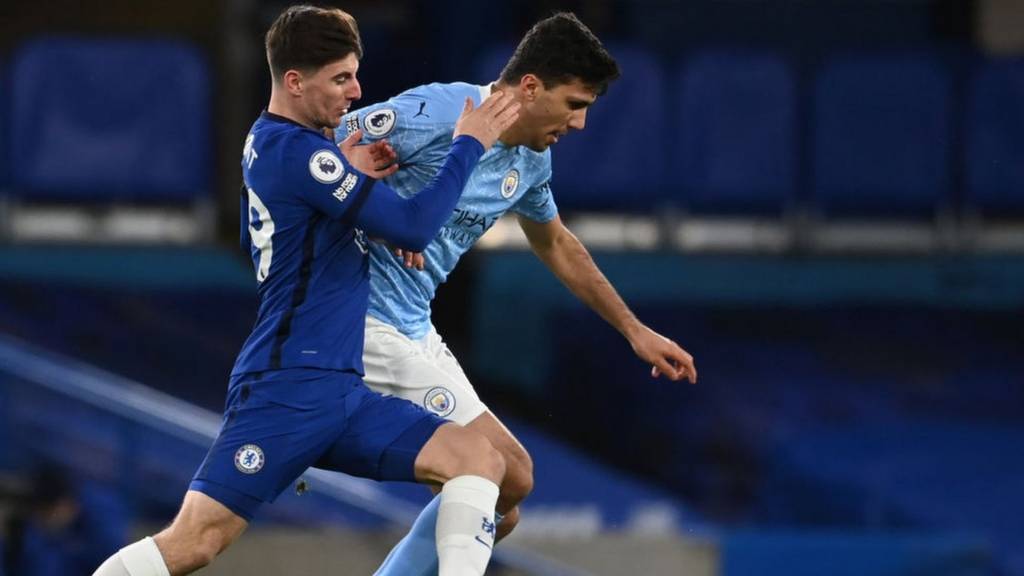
[530,86]
[292,82]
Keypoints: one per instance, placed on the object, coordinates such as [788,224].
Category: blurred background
[822,200]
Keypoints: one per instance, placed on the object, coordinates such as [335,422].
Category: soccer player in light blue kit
[556,73]
[295,397]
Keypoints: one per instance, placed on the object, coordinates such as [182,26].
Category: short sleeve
[537,204]
[320,176]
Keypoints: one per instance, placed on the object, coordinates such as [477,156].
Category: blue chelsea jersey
[419,124]
[298,205]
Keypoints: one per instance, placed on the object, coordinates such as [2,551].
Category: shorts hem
[242,505]
[398,460]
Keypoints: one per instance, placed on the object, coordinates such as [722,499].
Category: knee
[518,481]
[486,461]
[475,455]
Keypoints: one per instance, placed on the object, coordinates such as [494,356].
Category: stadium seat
[110,120]
[735,125]
[995,139]
[617,162]
[881,136]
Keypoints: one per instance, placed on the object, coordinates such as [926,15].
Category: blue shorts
[279,423]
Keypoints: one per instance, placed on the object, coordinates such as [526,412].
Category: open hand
[377,160]
[489,120]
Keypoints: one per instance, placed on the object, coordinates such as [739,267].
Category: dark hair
[560,49]
[307,38]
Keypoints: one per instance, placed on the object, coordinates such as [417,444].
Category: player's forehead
[348,65]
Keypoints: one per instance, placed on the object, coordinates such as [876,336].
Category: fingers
[410,259]
[382,153]
[386,171]
[663,367]
[351,140]
[486,123]
[508,116]
[675,364]
[468,105]
[491,102]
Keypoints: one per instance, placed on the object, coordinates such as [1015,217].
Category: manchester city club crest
[440,401]
[326,167]
[510,183]
[249,459]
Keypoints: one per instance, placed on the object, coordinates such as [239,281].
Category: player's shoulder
[441,92]
[430,108]
[278,132]
[304,153]
[438,102]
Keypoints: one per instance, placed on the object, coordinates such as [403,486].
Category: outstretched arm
[569,260]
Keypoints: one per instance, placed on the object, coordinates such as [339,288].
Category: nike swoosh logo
[482,542]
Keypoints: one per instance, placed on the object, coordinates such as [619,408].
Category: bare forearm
[566,256]
[570,262]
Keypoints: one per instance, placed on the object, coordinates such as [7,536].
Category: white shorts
[422,371]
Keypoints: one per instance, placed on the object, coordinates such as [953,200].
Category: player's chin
[540,146]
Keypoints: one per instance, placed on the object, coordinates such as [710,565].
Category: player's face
[553,112]
[330,91]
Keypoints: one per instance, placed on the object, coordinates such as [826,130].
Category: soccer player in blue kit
[295,397]
[557,71]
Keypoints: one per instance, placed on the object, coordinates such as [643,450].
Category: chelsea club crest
[510,184]
[249,459]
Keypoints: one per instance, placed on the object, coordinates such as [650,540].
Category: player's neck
[510,137]
[282,106]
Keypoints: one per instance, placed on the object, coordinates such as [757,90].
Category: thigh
[382,438]
[272,431]
[424,373]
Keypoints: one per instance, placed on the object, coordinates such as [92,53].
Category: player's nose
[578,120]
[356,92]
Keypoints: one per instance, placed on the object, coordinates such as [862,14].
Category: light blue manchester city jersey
[419,124]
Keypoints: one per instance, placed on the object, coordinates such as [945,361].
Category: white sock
[465,526]
[139,559]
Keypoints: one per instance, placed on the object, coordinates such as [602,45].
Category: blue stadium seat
[995,139]
[882,136]
[735,130]
[106,120]
[617,162]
